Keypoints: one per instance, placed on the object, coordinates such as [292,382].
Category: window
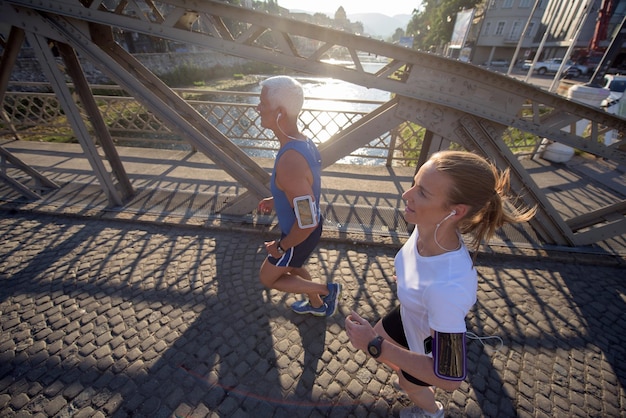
[516,30]
[500,28]
[530,32]
[525,4]
[507,4]
[487,29]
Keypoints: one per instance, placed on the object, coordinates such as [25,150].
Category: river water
[332,90]
[324,93]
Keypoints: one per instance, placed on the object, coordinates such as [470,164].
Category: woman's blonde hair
[478,184]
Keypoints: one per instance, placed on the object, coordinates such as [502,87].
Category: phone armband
[305,210]
[449,355]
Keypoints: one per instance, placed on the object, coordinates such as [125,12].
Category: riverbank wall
[27,67]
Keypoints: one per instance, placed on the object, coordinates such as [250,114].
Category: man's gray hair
[286,92]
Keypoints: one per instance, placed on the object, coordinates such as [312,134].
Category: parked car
[553,64]
[497,63]
[576,70]
[592,62]
[616,84]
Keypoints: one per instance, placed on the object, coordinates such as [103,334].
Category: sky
[388,7]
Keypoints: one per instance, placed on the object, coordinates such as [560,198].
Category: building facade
[550,28]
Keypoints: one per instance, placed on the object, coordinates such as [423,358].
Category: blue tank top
[282,206]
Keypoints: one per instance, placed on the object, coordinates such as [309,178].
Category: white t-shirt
[435,292]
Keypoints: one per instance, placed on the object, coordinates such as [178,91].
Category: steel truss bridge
[454,101]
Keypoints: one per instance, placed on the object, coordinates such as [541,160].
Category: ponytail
[478,184]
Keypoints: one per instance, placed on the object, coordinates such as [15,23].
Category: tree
[399,33]
[432,26]
[357,27]
[322,19]
[340,15]
[270,6]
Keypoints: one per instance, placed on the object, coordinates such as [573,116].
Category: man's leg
[291,280]
[302,272]
[314,298]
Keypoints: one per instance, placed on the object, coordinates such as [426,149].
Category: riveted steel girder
[454,100]
[302,46]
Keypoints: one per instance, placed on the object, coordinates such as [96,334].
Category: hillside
[378,25]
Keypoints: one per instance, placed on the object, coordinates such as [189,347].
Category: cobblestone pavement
[104,318]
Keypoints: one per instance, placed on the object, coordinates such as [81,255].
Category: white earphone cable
[488,349]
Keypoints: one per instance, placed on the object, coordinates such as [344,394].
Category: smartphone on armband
[306,214]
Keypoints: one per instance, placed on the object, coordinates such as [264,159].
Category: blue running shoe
[304,307]
[331,300]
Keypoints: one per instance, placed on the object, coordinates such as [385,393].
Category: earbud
[278,116]
[452,213]
[447,217]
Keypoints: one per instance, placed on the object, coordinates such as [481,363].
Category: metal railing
[32,112]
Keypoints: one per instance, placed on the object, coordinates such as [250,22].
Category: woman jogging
[423,338]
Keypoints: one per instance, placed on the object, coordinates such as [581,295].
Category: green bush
[185,76]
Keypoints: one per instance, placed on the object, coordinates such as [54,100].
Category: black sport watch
[375,346]
[280,249]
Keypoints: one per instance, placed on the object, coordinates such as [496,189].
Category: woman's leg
[421,396]
[380,330]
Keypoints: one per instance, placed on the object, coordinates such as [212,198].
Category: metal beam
[8,58]
[483,136]
[18,187]
[56,78]
[376,123]
[452,100]
[448,82]
[42,182]
[100,128]
[161,100]
[360,133]
[457,85]
[7,62]
[599,233]
[617,210]
[463,129]
[152,92]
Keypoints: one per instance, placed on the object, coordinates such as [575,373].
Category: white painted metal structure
[455,101]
